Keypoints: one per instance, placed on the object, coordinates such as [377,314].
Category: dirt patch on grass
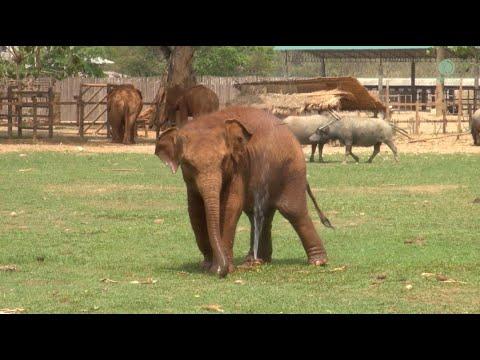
[451,295]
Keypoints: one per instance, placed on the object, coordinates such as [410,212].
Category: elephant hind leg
[293,206]
[265,249]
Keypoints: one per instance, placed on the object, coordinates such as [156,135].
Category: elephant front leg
[196,211]
[231,209]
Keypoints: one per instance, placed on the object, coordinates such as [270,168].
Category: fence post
[50,112]
[444,114]
[417,117]
[35,120]
[80,106]
[19,116]
[10,110]
[387,100]
[460,108]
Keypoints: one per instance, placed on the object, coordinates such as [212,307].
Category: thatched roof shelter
[289,97]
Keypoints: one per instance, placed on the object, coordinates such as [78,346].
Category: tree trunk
[179,74]
[439,88]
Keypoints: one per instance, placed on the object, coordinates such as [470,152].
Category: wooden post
[10,110]
[19,116]
[417,117]
[460,107]
[387,100]
[35,120]
[412,82]
[475,89]
[81,110]
[380,78]
[286,64]
[51,98]
[439,86]
[109,131]
[323,72]
[444,114]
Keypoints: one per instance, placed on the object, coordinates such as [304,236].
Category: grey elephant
[357,131]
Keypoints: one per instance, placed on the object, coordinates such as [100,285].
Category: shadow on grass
[193,267]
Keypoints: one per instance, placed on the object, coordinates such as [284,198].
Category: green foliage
[89,222]
[135,60]
[55,61]
[234,60]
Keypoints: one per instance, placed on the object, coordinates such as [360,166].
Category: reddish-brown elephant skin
[231,160]
[195,101]
[124,104]
[475,128]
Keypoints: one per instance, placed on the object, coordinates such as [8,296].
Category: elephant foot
[318,260]
[312,159]
[205,265]
[251,262]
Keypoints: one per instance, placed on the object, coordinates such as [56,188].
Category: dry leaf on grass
[145,282]
[25,170]
[108,281]
[341,268]
[239,282]
[442,278]
[476,201]
[213,308]
[381,276]
[13,214]
[419,240]
[158,221]
[12,311]
[23,155]
[408,287]
[8,268]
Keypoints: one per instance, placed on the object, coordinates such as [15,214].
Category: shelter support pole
[414,88]
[387,101]
[439,95]
[475,88]
[417,118]
[286,64]
[460,108]
[380,78]
[323,73]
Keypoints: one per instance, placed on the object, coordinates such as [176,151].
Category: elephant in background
[241,159]
[195,101]
[475,128]
[124,104]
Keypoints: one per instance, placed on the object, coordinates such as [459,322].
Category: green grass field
[83,217]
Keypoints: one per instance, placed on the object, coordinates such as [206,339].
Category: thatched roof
[295,96]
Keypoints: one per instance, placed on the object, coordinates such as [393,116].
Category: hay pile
[296,104]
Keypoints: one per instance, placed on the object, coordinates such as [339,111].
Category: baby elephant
[359,132]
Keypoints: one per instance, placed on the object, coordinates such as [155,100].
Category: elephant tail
[322,216]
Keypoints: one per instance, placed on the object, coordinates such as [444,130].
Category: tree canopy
[53,61]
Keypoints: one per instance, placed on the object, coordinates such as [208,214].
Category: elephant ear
[237,138]
[167,148]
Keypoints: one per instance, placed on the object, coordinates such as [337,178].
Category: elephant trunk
[210,191]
